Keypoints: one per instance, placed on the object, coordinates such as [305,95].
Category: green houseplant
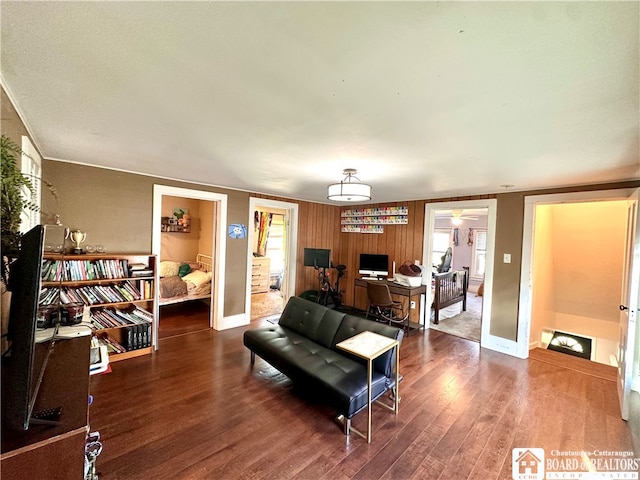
[13,201]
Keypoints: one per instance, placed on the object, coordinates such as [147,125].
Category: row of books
[126,291]
[106,317]
[113,346]
[96,269]
[135,337]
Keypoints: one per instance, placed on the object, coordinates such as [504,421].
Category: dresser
[260,275]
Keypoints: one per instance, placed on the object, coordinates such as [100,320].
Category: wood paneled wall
[319,227]
[401,242]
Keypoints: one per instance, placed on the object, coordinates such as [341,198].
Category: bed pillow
[168,269]
[184,269]
[198,278]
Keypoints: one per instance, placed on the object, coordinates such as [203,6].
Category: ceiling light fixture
[351,189]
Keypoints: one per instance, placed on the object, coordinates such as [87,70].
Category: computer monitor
[317,257]
[374,265]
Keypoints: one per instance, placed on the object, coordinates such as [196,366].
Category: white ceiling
[425,99]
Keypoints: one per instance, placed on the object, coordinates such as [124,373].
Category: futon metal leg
[253,358]
[347,426]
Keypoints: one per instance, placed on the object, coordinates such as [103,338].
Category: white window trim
[31,167]
[474,251]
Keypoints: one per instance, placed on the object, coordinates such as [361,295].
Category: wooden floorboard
[195,409]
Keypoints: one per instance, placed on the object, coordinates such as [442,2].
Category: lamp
[351,189]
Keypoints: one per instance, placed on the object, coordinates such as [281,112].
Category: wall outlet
[413,304]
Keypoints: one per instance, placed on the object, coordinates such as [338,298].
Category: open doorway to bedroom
[459,244]
[190,247]
[272,236]
[478,235]
[185,265]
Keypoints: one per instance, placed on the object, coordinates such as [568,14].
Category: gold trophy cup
[76,237]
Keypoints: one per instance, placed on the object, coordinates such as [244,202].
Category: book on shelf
[142,273]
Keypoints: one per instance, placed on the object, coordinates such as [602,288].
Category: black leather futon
[303,347]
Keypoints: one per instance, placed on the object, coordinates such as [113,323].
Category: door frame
[291,246]
[526,270]
[216,314]
[486,339]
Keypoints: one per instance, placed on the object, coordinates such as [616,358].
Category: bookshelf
[119,291]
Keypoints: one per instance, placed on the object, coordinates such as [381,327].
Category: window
[31,167]
[479,254]
[441,241]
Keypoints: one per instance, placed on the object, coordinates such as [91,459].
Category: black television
[317,257]
[374,265]
[18,362]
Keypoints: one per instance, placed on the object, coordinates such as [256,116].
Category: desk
[370,345]
[400,290]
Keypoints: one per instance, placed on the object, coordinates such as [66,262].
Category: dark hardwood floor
[183,318]
[195,409]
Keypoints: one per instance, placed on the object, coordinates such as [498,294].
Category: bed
[449,294]
[186,280]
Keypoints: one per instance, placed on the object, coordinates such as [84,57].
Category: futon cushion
[312,320]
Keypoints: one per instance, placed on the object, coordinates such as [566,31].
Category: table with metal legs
[370,345]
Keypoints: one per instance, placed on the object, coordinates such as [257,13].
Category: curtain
[264,222]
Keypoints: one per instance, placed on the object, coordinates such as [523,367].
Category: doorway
[577,253]
[272,243]
[440,216]
[463,232]
[214,211]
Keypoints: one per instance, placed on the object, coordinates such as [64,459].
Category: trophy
[76,237]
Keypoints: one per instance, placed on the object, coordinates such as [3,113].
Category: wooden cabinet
[260,275]
[119,290]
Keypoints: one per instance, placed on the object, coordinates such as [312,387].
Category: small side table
[370,345]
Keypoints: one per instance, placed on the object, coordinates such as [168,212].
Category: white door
[629,305]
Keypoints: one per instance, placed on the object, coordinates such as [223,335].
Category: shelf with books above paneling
[372,220]
[118,290]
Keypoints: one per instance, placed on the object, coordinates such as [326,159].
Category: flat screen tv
[373,265]
[18,362]
[317,257]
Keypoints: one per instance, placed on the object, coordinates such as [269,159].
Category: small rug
[466,324]
[570,344]
[266,304]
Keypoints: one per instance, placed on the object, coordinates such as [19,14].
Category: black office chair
[382,307]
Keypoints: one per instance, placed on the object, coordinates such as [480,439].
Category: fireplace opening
[570,344]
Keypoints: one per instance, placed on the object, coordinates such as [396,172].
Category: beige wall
[207,223]
[506,276]
[179,246]
[542,292]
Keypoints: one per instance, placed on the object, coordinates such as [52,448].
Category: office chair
[445,263]
[382,307]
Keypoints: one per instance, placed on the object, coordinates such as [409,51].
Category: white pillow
[169,269]
[197,277]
